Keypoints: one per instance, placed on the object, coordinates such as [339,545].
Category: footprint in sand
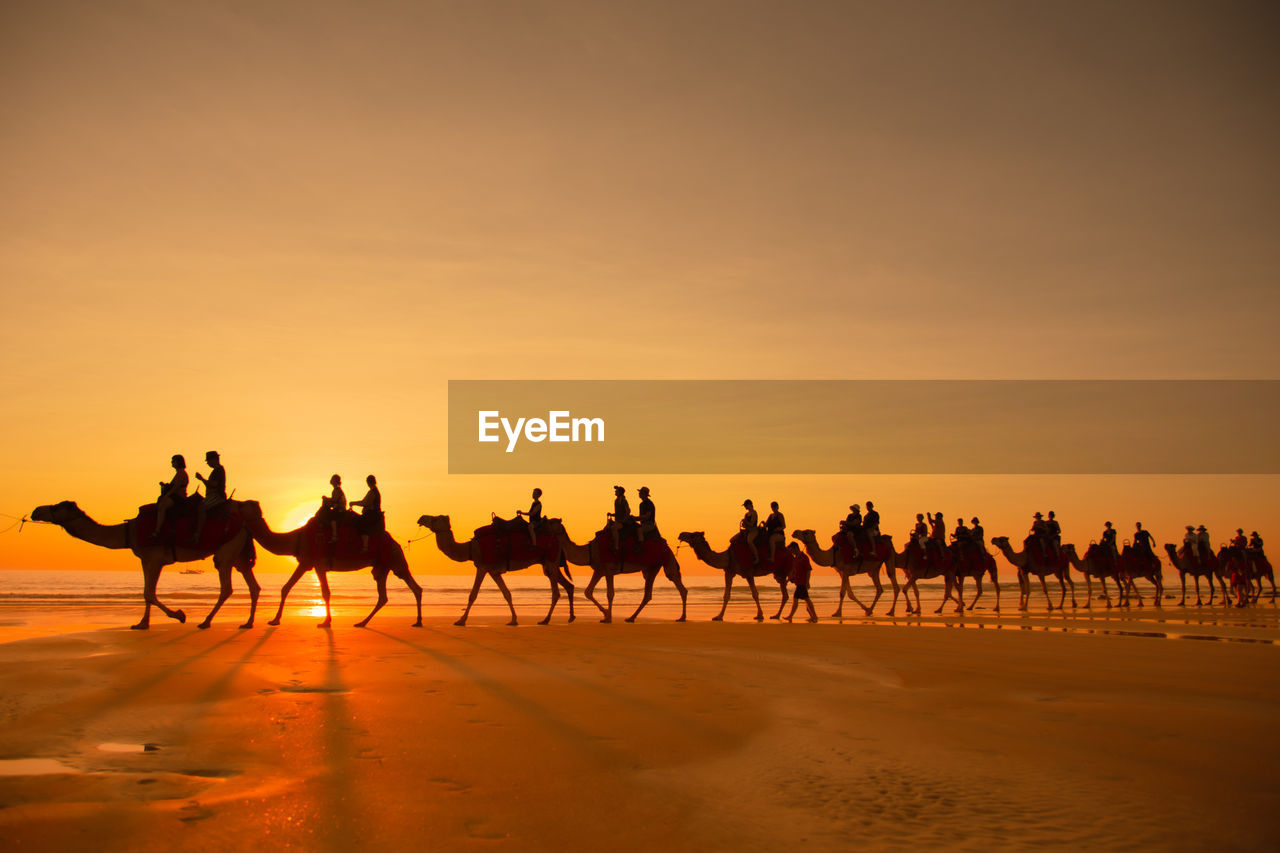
[476,828]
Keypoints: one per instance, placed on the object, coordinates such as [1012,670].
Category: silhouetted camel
[736,560]
[310,546]
[1136,564]
[840,557]
[1210,569]
[1033,561]
[1101,564]
[226,540]
[499,548]
[652,556]
[916,566]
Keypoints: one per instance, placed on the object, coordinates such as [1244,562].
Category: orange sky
[276,230]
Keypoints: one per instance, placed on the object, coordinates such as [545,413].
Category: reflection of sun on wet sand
[900,734]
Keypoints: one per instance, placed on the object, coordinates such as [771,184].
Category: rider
[371,518]
[646,517]
[1108,540]
[937,532]
[1053,532]
[1206,544]
[172,491]
[871,524]
[1143,542]
[1191,544]
[621,515]
[1039,532]
[1255,542]
[776,526]
[215,491]
[747,529]
[333,506]
[921,531]
[1239,541]
[978,535]
[533,518]
[853,522]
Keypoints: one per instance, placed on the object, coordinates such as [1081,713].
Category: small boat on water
[191,572]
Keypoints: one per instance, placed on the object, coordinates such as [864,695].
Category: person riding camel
[747,529]
[621,516]
[920,533]
[215,492]
[937,533]
[1108,540]
[1206,544]
[978,535]
[1255,542]
[776,526]
[871,524]
[1053,534]
[647,517]
[852,524]
[533,518]
[332,506]
[1191,544]
[371,519]
[171,492]
[1240,541]
[1143,542]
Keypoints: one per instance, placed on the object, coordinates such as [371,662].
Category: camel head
[434,523]
[1001,542]
[805,536]
[694,538]
[59,513]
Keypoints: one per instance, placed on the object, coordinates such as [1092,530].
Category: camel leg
[755,596]
[1182,602]
[1071,585]
[324,593]
[596,575]
[783,603]
[875,579]
[284,591]
[416,589]
[1159,589]
[977,581]
[150,580]
[608,596]
[995,583]
[1088,591]
[728,586]
[649,578]
[506,594]
[471,599]
[674,576]
[555,596]
[1105,594]
[916,589]
[848,580]
[1045,586]
[224,592]
[844,587]
[381,580]
[255,589]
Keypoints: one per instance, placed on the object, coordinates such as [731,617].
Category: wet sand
[981,733]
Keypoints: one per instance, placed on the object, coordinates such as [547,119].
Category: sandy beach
[1140,730]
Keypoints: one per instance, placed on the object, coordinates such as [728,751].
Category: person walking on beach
[533,518]
[171,492]
[215,492]
[371,518]
[801,570]
[647,517]
[776,526]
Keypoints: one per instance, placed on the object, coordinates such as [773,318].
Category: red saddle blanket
[507,541]
[349,546]
[180,524]
[845,551]
[1043,554]
[741,552]
[654,551]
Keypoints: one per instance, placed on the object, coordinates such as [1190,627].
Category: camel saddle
[180,522]
[507,539]
[653,551]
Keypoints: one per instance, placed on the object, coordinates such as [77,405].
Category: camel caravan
[181,528]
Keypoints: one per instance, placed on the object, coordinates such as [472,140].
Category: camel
[1208,569]
[1098,564]
[846,565]
[966,566]
[654,555]
[736,560]
[309,545]
[1135,564]
[916,567]
[229,544]
[1253,565]
[1030,563]
[495,551]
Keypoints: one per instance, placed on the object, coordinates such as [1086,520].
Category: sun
[299,515]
